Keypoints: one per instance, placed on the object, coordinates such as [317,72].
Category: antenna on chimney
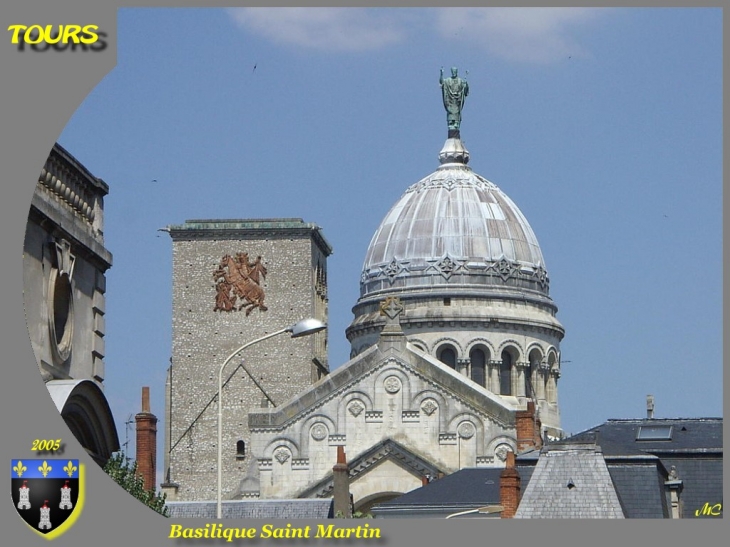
[649,406]
[127,425]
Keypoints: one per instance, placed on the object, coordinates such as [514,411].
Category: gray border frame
[40,92]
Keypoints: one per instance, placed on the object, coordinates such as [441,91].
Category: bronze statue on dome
[454,91]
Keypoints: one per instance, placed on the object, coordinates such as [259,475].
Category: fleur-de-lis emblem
[20,468]
[70,468]
[45,468]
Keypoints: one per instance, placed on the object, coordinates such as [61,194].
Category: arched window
[532,374]
[551,388]
[419,347]
[240,449]
[447,355]
[478,365]
[505,374]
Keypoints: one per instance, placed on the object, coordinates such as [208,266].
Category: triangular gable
[413,361]
[390,391]
[388,449]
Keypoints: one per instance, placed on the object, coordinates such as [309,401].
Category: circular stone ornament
[392,384]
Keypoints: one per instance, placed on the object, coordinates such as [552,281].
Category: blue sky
[603,125]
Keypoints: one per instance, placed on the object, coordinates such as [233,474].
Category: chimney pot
[342,503]
[146,425]
[649,406]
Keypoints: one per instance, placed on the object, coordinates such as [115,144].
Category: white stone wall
[427,408]
[528,330]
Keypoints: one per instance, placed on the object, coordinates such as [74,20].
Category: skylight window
[654,433]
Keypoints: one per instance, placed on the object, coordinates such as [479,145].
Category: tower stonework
[235,281]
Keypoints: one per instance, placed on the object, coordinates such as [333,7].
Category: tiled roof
[254,509]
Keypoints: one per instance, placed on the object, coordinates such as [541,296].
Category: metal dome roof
[453,228]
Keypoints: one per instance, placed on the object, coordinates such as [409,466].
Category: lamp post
[302,328]
[481,510]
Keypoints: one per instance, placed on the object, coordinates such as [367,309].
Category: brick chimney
[528,428]
[342,500]
[509,488]
[146,442]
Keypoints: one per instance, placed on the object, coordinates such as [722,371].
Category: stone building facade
[235,281]
[454,363]
[455,344]
[64,286]
[402,416]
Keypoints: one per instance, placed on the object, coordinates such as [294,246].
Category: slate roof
[466,489]
[702,482]
[638,468]
[570,481]
[254,509]
[695,449]
[640,488]
[627,475]
[689,435]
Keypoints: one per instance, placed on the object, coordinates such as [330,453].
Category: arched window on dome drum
[478,365]
[551,390]
[505,374]
[447,355]
[532,375]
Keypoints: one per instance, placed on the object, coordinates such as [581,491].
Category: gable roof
[410,359]
[387,449]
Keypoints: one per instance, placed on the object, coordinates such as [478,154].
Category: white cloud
[536,35]
[325,29]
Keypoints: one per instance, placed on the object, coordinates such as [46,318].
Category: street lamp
[489,509]
[302,328]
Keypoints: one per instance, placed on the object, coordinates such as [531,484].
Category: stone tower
[235,281]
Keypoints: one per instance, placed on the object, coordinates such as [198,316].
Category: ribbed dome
[453,228]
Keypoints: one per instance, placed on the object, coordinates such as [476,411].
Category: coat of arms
[238,283]
[47,493]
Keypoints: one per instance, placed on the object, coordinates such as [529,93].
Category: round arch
[85,410]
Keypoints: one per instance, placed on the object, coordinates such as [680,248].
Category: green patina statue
[454,91]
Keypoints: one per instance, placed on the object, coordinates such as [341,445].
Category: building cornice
[249,229]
